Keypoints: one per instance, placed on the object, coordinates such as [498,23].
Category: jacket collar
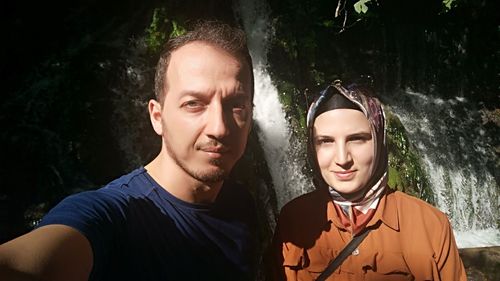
[387,212]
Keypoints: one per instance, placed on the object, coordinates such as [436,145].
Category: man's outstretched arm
[52,252]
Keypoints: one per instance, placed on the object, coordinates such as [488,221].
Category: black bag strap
[347,251]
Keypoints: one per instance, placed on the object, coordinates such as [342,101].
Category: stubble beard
[209,176]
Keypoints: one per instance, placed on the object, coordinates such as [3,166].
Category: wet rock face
[481,264]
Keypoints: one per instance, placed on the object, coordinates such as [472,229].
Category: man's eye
[192,104]
[239,106]
[237,103]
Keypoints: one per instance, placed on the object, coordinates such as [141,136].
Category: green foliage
[328,23]
[290,98]
[177,30]
[318,77]
[405,168]
[448,4]
[156,33]
[395,180]
[360,6]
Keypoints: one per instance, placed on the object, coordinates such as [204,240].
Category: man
[177,218]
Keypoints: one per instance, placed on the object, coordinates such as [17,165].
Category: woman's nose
[342,155]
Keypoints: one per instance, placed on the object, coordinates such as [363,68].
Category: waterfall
[274,133]
[447,133]
[459,160]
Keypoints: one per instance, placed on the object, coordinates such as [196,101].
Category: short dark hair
[229,38]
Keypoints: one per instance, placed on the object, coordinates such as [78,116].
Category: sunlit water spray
[447,133]
[274,133]
[459,160]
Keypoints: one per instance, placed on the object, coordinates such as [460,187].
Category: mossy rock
[406,171]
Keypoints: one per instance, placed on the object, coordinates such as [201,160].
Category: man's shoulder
[303,219]
[307,211]
[132,184]
[131,181]
[304,205]
[113,197]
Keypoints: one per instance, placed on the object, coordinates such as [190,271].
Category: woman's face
[344,149]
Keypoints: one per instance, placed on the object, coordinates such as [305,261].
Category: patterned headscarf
[372,109]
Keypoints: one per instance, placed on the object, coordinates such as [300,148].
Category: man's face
[207,111]
[344,149]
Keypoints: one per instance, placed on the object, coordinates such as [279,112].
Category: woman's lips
[344,175]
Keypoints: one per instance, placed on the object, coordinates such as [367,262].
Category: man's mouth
[215,149]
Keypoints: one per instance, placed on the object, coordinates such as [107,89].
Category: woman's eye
[360,138]
[323,141]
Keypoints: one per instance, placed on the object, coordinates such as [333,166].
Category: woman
[407,239]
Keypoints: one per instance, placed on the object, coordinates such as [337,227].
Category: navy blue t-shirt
[139,231]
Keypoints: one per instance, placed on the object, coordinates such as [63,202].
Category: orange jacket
[410,240]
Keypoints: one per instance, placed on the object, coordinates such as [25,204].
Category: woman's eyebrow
[361,134]
[323,137]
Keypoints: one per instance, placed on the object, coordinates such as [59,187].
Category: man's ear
[155,116]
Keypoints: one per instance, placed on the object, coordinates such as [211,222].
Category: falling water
[459,161]
[447,133]
[274,131]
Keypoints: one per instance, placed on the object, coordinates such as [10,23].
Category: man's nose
[216,126]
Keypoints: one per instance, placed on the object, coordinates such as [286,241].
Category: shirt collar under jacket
[387,212]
